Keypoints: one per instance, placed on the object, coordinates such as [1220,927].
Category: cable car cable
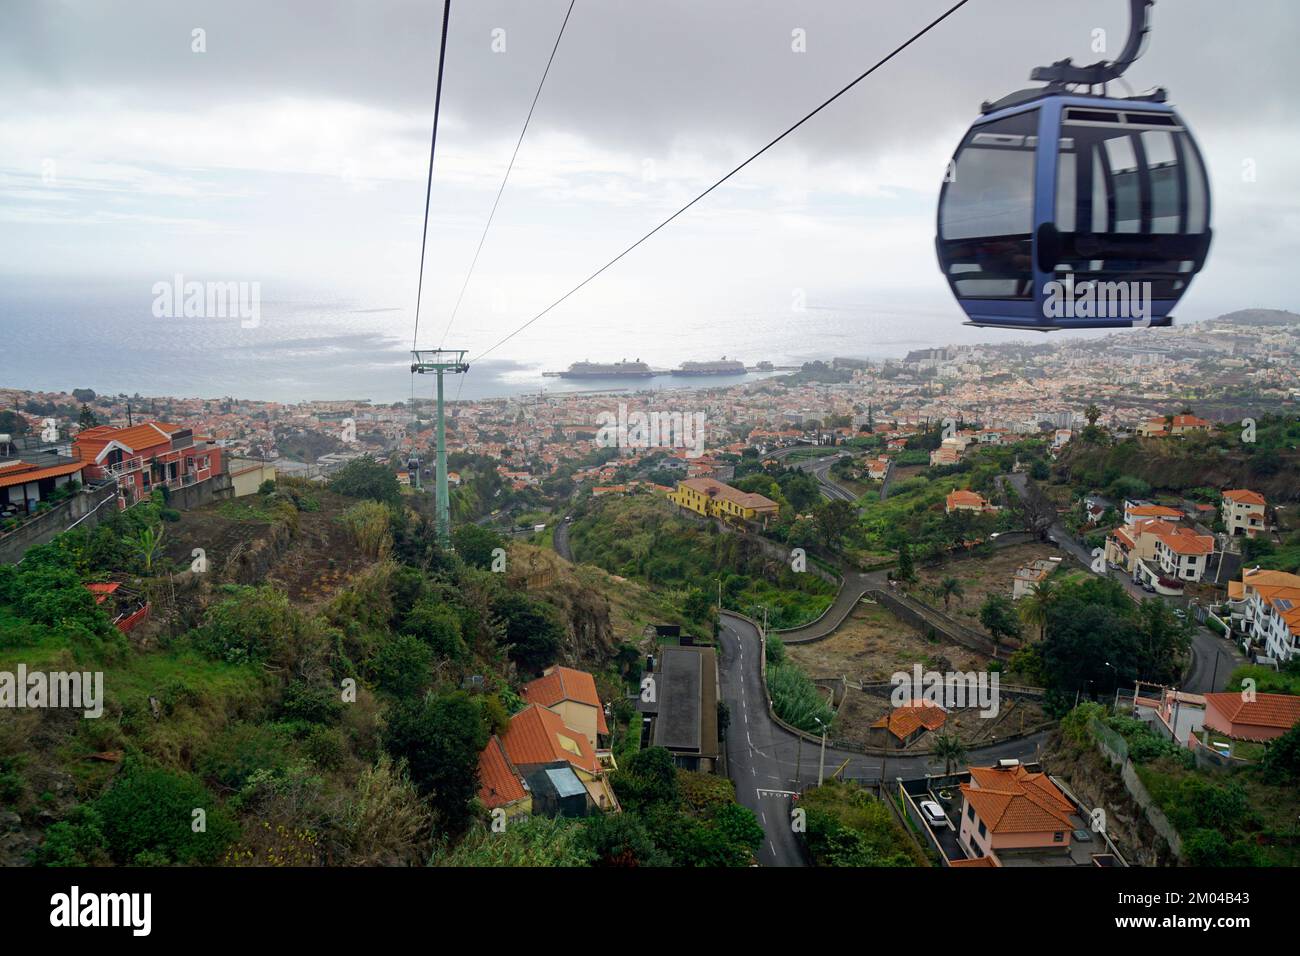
[428,191]
[825,103]
[509,167]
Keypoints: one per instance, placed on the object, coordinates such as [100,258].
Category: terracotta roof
[1017,801]
[499,783]
[537,735]
[21,476]
[135,437]
[978,861]
[1154,511]
[1187,541]
[905,720]
[1266,710]
[716,489]
[565,683]
[968,498]
[1245,497]
[1274,579]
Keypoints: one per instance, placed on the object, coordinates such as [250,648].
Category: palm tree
[950,588]
[1033,607]
[1092,413]
[949,749]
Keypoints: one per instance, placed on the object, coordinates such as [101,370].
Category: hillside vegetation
[643,538]
[303,691]
[1217,460]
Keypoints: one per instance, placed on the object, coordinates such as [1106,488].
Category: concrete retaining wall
[89,508]
[1142,797]
[84,510]
[923,618]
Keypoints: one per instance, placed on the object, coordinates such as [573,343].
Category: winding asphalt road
[855,585]
[769,765]
[560,541]
[819,468]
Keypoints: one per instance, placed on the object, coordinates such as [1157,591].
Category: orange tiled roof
[21,475]
[967,498]
[135,437]
[1017,801]
[1259,578]
[1266,710]
[499,782]
[1154,511]
[1244,496]
[1187,541]
[565,683]
[537,735]
[716,489]
[905,720]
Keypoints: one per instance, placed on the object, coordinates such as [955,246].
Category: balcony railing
[125,467]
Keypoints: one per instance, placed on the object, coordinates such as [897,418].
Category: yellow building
[713,499]
[247,475]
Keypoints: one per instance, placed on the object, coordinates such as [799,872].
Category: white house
[1184,554]
[1270,605]
[1243,512]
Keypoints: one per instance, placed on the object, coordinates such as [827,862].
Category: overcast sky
[294,149]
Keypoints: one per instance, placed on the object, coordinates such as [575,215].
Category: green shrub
[326,748]
[148,817]
[403,666]
[76,840]
[311,703]
[438,626]
[366,478]
[796,699]
[241,750]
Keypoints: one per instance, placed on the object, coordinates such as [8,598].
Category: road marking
[777,793]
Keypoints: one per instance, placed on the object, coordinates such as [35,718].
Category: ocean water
[308,344]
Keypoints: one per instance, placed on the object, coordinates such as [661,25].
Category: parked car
[934,814]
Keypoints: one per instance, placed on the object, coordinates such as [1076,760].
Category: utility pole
[441,361]
[821,761]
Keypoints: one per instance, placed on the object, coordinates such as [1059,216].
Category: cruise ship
[724,366]
[622,369]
